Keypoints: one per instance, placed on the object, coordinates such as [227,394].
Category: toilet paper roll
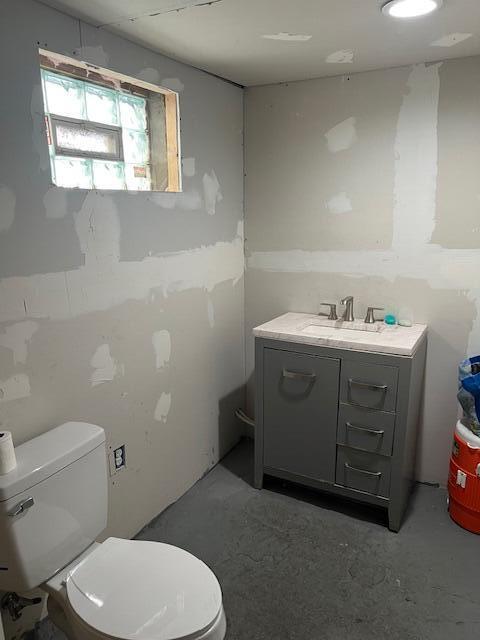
[8,461]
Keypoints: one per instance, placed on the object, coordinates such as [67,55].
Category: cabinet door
[300,413]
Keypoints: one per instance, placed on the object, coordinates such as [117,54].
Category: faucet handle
[370,317]
[333,310]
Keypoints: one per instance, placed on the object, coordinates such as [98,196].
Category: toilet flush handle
[22,506]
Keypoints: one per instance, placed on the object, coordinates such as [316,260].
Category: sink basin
[318,326]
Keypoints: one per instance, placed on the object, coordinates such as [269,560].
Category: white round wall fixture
[410,8]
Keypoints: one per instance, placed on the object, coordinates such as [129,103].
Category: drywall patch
[451,39]
[7,208]
[105,367]
[174,84]
[240,229]
[74,293]
[149,74]
[14,388]
[163,407]
[162,346]
[342,136]
[339,203]
[211,192]
[55,201]
[16,338]
[210,312]
[344,56]
[104,281]
[288,37]
[188,165]
[416,153]
[187,200]
[452,269]
[412,255]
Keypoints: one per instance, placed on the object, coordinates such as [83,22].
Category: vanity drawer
[366,429]
[372,386]
[363,471]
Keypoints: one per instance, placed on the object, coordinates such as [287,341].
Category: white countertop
[305,328]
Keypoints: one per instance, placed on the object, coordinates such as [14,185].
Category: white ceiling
[227,37]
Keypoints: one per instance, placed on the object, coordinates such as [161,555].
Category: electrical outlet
[117,460]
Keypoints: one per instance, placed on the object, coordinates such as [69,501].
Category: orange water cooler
[464,479]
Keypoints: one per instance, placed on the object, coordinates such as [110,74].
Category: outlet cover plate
[117,460]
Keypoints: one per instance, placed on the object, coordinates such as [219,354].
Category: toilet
[53,506]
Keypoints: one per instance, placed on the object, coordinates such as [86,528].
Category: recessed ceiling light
[410,8]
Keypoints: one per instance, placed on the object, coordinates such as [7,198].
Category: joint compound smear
[211,192]
[105,281]
[451,40]
[288,37]
[344,56]
[105,367]
[16,338]
[163,407]
[342,136]
[339,203]
[210,312]
[163,347]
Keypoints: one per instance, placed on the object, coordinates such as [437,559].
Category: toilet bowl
[137,590]
[53,506]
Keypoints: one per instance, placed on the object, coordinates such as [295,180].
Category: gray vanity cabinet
[339,420]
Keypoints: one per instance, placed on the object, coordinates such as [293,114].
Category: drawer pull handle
[374,432]
[372,474]
[367,385]
[298,375]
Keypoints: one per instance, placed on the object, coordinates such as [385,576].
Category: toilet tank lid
[41,457]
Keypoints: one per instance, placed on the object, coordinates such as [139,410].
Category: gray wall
[121,309]
[368,185]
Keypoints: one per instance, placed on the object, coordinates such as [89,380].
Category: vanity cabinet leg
[395,517]
[258,479]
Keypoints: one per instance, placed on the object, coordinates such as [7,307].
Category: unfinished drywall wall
[366,185]
[121,309]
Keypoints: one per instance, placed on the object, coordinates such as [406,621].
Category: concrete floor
[297,565]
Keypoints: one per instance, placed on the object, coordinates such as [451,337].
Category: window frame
[88,125]
[107,78]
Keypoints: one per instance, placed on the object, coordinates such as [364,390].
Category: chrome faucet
[348,314]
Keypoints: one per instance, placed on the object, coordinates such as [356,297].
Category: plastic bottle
[405,317]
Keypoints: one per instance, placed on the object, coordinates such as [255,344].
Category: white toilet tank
[53,505]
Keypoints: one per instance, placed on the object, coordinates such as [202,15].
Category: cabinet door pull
[374,432]
[367,385]
[298,375]
[372,474]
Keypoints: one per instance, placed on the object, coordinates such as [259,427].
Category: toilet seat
[138,590]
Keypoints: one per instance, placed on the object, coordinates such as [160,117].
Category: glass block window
[98,137]
[106,130]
